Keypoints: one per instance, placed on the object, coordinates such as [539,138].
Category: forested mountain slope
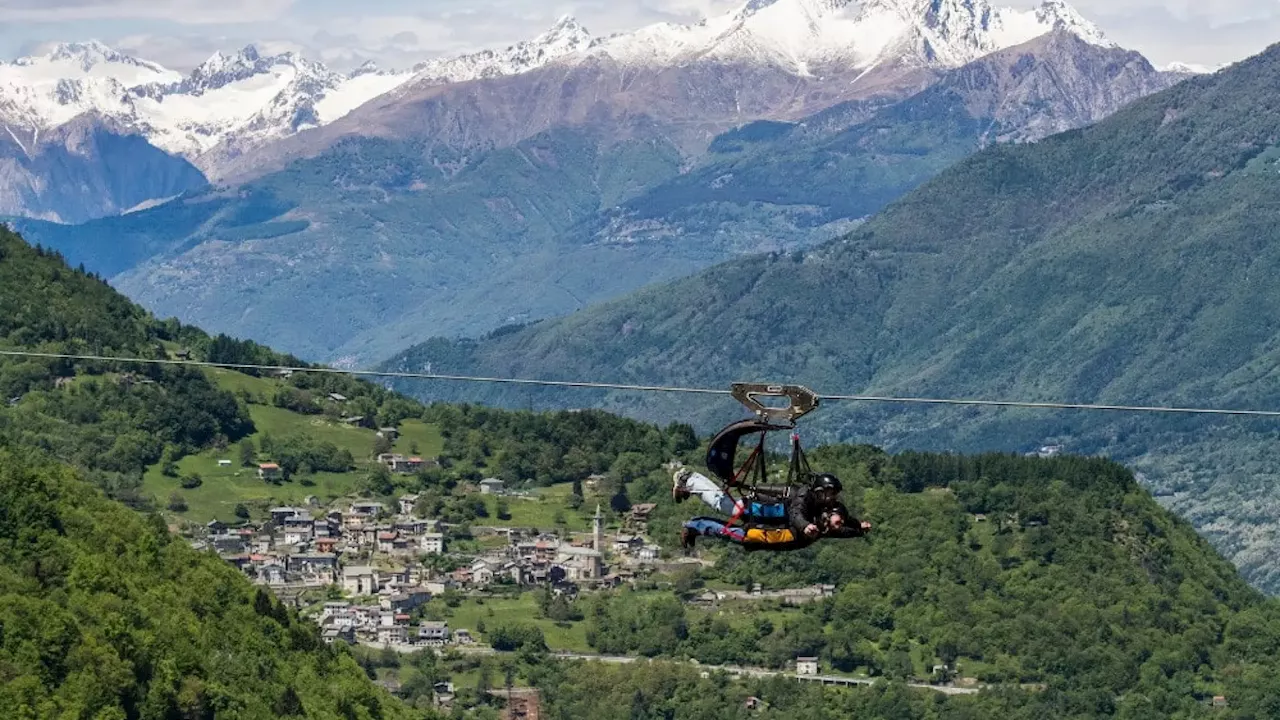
[1073,580]
[1127,262]
[426,230]
[105,615]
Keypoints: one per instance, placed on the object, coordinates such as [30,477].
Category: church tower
[597,527]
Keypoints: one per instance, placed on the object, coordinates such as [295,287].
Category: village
[383,561]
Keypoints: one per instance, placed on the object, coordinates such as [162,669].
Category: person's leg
[711,527]
[691,483]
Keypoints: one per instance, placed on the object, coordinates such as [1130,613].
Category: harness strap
[740,505]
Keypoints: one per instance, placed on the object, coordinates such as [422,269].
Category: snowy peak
[850,34]
[1192,68]
[1058,15]
[564,39]
[83,61]
[90,55]
[567,35]
[368,67]
[221,70]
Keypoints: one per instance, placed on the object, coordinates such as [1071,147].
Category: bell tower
[597,528]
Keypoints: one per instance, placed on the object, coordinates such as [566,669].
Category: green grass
[225,487]
[280,423]
[236,381]
[522,609]
[539,510]
[417,433]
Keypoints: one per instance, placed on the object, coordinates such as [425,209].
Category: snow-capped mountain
[234,103]
[1193,68]
[240,99]
[250,97]
[565,38]
[812,35]
[41,93]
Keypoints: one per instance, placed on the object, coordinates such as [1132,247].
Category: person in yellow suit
[815,513]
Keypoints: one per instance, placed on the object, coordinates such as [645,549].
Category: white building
[580,563]
[433,631]
[491,486]
[806,666]
[360,580]
[432,543]
[481,573]
[407,504]
[367,509]
[392,635]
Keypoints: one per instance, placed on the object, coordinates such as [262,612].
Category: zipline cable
[639,388]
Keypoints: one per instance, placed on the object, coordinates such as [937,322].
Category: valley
[230,254]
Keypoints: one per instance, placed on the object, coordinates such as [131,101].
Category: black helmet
[827,481]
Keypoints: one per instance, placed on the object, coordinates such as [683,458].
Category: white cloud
[172,51]
[400,33]
[187,12]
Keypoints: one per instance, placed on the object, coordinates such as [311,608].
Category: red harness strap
[741,505]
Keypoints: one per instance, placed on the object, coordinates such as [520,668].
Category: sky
[398,33]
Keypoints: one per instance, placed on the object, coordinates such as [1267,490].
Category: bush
[192,481]
[517,636]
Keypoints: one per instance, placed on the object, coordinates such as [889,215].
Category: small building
[432,543]
[336,397]
[433,632]
[627,543]
[280,515]
[481,573]
[269,471]
[224,463]
[806,666]
[332,634]
[491,486]
[272,572]
[392,634]
[320,566]
[366,509]
[228,544]
[398,463]
[408,503]
[405,601]
[360,580]
[389,433]
[333,609]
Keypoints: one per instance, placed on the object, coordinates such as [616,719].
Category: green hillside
[105,615]
[391,240]
[396,240]
[1073,596]
[1128,262]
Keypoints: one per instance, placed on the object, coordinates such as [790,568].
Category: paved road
[731,669]
[766,672]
